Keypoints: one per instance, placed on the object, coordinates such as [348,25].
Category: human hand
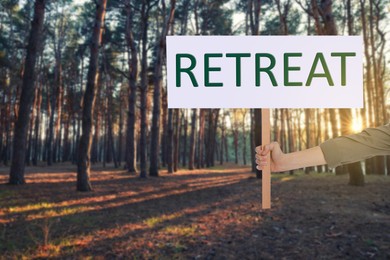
[277,157]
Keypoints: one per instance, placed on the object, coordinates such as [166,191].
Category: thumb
[265,149]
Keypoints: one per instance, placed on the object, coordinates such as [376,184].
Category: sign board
[265,71]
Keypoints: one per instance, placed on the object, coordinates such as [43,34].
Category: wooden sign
[266,178]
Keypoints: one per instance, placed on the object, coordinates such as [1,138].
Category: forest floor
[202,214]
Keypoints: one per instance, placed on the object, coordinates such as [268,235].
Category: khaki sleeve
[352,148]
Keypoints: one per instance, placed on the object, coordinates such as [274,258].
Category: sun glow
[357,125]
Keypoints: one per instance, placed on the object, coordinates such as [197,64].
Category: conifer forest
[93,164]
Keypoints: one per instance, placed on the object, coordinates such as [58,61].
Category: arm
[334,152]
[284,162]
[352,148]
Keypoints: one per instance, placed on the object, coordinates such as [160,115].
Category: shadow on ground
[201,214]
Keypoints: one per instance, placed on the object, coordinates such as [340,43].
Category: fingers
[262,151]
[261,156]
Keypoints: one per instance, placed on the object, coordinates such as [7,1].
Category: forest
[83,93]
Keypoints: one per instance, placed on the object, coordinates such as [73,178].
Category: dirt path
[203,214]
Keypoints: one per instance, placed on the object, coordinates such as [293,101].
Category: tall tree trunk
[120,136]
[96,136]
[27,96]
[37,126]
[131,141]
[209,142]
[192,140]
[55,103]
[65,154]
[356,175]
[170,141]
[3,117]
[254,17]
[223,124]
[200,162]
[176,141]
[355,171]
[84,165]
[283,14]
[30,134]
[369,164]
[144,90]
[58,129]
[257,131]
[283,130]
[110,135]
[291,134]
[235,143]
[185,129]
[379,103]
[252,140]
[244,137]
[155,134]
[105,154]
[164,137]
[308,135]
[214,136]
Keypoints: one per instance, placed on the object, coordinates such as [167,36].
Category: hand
[277,157]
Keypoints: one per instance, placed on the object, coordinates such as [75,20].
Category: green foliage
[215,18]
[273,26]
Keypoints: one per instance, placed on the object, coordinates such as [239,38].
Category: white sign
[265,71]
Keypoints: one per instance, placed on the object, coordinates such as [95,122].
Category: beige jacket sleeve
[357,147]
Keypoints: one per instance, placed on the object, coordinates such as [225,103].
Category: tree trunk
[379,102]
[37,127]
[27,96]
[308,135]
[214,136]
[235,132]
[164,130]
[131,141]
[185,129]
[200,162]
[223,124]
[57,130]
[319,139]
[176,142]
[120,137]
[170,141]
[290,134]
[209,144]
[155,134]
[50,139]
[110,135]
[244,138]
[144,90]
[32,123]
[83,165]
[192,140]
[66,146]
[96,136]
[252,140]
[257,131]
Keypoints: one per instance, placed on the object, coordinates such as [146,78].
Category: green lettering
[188,70]
[287,68]
[343,56]
[266,69]
[207,70]
[319,57]
[238,57]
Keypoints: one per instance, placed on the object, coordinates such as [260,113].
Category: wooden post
[266,178]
